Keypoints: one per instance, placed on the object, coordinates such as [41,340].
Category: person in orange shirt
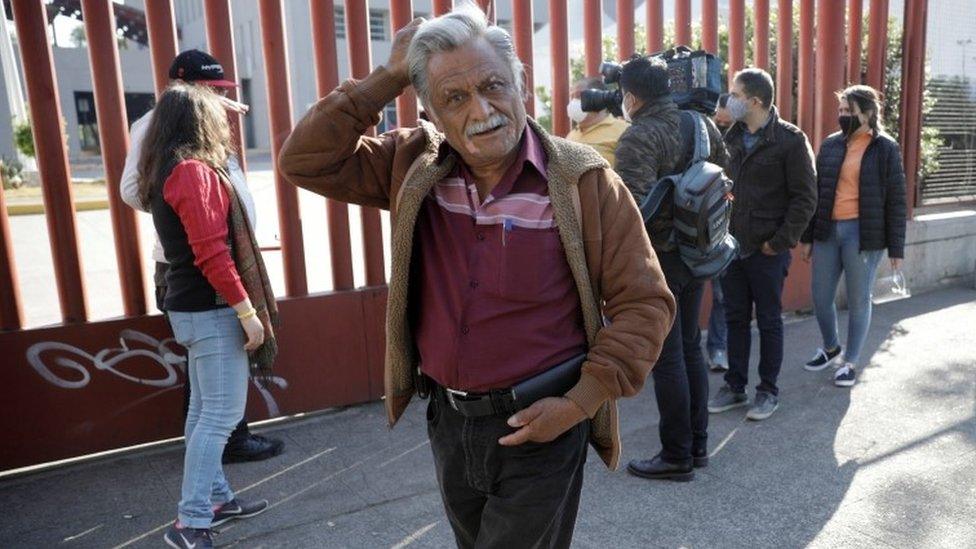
[861,212]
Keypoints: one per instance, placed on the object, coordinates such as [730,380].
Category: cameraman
[598,129]
[652,148]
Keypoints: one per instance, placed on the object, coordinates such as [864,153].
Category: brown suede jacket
[606,246]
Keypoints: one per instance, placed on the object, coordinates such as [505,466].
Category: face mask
[575,111]
[623,107]
[738,108]
[848,124]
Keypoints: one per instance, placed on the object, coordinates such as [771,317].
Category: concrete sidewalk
[891,463]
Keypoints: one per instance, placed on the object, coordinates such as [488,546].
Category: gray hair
[451,31]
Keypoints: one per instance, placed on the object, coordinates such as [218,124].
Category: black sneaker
[658,469]
[821,360]
[252,448]
[845,376]
[238,509]
[188,538]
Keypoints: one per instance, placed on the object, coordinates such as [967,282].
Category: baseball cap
[198,66]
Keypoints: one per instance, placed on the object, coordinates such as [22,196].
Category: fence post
[710,26]
[113,139]
[761,35]
[593,36]
[161,28]
[912,90]
[854,11]
[655,25]
[559,50]
[830,69]
[360,62]
[737,29]
[279,114]
[220,39]
[784,59]
[522,29]
[682,22]
[30,16]
[877,43]
[805,62]
[11,315]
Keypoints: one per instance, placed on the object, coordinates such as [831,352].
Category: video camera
[598,100]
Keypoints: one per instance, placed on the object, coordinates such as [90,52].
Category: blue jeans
[841,253]
[218,370]
[717,330]
[757,281]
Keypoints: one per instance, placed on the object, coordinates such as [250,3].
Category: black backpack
[701,205]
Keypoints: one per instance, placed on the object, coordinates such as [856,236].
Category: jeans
[241,432]
[717,331]
[756,280]
[841,253]
[505,496]
[680,375]
[218,370]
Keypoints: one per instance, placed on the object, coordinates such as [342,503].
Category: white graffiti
[67,364]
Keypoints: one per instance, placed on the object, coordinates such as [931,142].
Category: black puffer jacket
[775,185]
[882,203]
[651,148]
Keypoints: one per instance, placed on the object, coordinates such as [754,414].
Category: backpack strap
[703,148]
[653,201]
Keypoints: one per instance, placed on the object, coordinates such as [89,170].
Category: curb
[34,208]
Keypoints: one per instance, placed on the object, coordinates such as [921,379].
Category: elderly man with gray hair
[524,298]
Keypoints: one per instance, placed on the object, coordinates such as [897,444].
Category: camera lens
[610,72]
[598,100]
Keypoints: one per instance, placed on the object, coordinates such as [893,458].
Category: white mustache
[494,121]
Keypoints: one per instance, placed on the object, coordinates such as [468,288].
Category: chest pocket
[532,265]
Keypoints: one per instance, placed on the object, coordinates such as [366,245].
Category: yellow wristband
[247,315]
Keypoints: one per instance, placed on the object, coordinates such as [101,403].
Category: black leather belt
[555,381]
[470,404]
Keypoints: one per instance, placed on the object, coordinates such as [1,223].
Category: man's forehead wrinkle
[466,76]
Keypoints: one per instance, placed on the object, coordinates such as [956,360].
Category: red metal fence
[82,386]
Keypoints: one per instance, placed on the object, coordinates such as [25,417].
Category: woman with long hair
[219,302]
[861,212]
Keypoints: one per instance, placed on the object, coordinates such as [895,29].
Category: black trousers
[680,375]
[499,496]
[755,280]
[241,432]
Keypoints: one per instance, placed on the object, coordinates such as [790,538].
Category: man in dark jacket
[651,148]
[775,197]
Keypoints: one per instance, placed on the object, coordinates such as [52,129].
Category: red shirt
[495,300]
[195,193]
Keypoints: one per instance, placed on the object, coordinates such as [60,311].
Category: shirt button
[481,236]
[465,330]
[474,284]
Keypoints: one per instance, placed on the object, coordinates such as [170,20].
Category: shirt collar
[531,153]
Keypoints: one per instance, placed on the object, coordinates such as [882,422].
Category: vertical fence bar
[625,29]
[682,22]
[11,314]
[593,36]
[805,66]
[442,6]
[327,79]
[710,26]
[737,30]
[220,40]
[912,83]
[830,69]
[52,155]
[279,114]
[655,25]
[488,6]
[401,14]
[761,35]
[103,54]
[161,28]
[357,39]
[877,43]
[854,11]
[522,28]
[559,49]
[784,59]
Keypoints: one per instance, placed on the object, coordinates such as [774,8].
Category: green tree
[24,138]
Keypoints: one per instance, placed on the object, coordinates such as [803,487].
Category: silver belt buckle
[450,396]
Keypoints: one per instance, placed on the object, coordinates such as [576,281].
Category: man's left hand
[767,249]
[545,420]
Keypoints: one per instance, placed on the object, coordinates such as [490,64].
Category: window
[378,26]
[87,123]
[340,23]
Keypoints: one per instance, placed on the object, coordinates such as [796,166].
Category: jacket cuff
[380,87]
[896,252]
[589,394]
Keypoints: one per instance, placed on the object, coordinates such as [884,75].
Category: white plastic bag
[891,288]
